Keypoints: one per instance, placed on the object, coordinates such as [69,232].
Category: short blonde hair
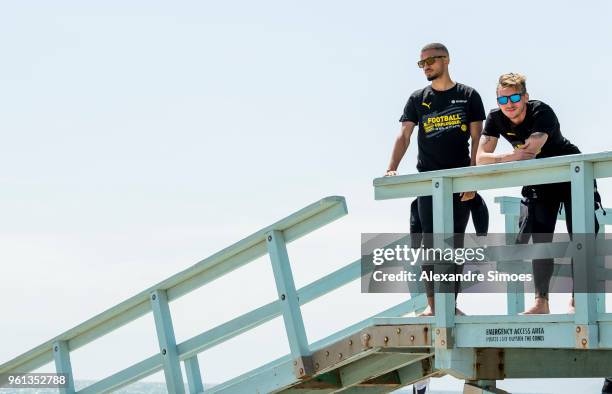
[513,80]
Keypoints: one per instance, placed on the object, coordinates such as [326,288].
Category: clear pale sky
[141,137]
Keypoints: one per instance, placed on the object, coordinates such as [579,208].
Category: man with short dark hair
[532,128]
[449,114]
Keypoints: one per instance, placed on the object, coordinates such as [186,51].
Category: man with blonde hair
[533,130]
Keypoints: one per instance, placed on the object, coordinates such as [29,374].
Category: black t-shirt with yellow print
[443,118]
[540,118]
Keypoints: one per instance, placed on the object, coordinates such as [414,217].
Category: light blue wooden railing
[509,207]
[272,240]
[579,169]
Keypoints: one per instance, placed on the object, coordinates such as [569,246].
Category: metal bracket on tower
[586,336]
[444,338]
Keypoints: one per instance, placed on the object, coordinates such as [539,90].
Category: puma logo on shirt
[443,118]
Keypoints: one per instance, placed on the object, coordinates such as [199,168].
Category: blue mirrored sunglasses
[515,98]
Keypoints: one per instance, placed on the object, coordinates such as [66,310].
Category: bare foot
[540,307]
[572,307]
[429,311]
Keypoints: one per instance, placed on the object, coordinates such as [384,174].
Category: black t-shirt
[540,118]
[443,118]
